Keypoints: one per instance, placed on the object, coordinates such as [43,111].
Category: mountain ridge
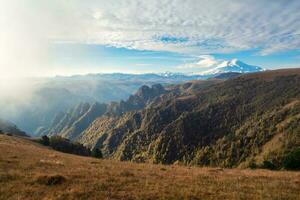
[206,122]
[64,92]
[73,122]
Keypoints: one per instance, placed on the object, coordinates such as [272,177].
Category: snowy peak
[233,65]
[170,74]
[233,62]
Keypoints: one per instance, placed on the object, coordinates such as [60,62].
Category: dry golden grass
[30,171]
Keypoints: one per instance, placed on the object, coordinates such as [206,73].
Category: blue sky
[112,59]
[54,37]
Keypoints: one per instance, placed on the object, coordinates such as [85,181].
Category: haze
[42,39]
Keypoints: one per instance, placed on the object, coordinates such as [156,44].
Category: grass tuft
[50,180]
[126,174]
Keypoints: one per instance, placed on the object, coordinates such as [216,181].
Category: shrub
[126,173]
[268,165]
[45,140]
[252,164]
[51,180]
[292,160]
[64,145]
[96,152]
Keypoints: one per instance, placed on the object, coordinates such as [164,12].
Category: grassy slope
[238,122]
[26,171]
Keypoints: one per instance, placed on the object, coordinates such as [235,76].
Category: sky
[66,37]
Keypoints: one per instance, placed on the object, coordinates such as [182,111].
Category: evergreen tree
[45,140]
[292,160]
[96,152]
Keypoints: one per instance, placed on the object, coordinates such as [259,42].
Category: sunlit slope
[240,122]
[30,171]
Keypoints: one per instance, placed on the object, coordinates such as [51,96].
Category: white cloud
[210,26]
[206,61]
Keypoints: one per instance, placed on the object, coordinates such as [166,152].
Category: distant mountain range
[238,122]
[54,95]
[231,66]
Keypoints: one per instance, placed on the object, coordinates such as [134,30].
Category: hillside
[72,123]
[31,171]
[61,93]
[10,128]
[241,122]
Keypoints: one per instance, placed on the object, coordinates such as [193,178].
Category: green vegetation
[248,121]
[227,125]
[64,145]
[76,120]
[292,160]
[268,165]
[45,140]
[96,153]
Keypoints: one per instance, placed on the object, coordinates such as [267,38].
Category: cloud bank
[204,62]
[186,26]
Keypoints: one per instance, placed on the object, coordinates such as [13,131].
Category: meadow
[31,171]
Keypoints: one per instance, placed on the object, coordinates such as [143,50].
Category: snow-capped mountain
[170,74]
[233,65]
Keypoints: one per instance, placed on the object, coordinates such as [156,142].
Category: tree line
[59,143]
